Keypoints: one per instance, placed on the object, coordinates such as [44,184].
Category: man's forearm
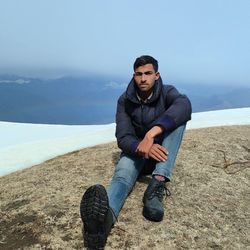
[154,131]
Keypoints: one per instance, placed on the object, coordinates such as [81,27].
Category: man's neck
[145,94]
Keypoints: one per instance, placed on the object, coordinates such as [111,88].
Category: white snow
[24,145]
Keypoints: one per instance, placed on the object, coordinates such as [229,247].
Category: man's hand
[148,141]
[144,146]
[158,152]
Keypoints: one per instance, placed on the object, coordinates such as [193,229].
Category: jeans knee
[124,176]
[127,170]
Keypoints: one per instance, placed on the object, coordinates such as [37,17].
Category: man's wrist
[153,132]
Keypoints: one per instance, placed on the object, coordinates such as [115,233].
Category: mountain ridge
[92,99]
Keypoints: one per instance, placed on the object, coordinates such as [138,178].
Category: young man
[150,122]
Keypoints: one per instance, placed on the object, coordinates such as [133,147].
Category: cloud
[18,81]
[116,85]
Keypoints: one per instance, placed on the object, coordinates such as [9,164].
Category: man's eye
[147,73]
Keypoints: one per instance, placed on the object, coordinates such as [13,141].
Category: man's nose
[143,78]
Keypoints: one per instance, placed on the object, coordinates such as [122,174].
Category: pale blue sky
[194,41]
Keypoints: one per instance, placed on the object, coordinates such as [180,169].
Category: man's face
[145,77]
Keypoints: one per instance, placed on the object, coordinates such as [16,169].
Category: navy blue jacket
[167,108]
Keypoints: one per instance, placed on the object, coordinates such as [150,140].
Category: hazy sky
[194,41]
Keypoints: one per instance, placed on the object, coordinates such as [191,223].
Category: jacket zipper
[142,120]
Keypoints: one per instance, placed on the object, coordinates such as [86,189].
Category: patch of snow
[24,145]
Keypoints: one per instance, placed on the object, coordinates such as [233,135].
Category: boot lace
[160,191]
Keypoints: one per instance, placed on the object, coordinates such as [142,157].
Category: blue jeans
[129,167]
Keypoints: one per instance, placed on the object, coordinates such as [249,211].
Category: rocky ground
[208,208]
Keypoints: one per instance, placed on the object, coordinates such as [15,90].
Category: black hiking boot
[153,208]
[96,216]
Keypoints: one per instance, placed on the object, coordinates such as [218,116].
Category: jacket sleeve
[178,110]
[125,133]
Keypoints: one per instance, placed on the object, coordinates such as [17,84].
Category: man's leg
[172,142]
[126,173]
[99,208]
[153,208]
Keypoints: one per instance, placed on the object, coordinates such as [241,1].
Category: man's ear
[157,74]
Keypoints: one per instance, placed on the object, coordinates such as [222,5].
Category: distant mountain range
[92,99]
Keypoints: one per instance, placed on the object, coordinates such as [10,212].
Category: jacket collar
[144,101]
[131,91]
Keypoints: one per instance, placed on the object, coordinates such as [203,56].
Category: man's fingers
[141,153]
[164,150]
[161,150]
[157,156]
[158,152]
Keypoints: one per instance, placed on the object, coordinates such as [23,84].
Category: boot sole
[94,209]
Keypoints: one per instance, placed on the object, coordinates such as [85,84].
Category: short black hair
[145,59]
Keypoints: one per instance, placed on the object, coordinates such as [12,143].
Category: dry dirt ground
[209,207]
